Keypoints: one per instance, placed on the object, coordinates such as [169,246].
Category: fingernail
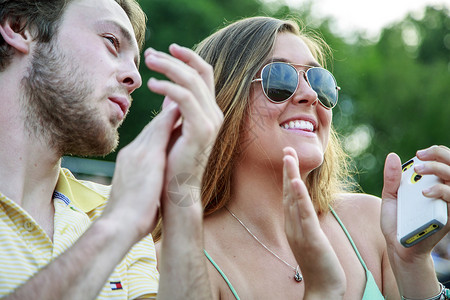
[153,82]
[427,192]
[419,168]
[149,51]
[150,58]
[421,153]
[171,105]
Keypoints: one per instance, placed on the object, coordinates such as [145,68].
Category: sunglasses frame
[305,76]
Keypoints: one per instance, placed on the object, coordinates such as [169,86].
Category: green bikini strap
[349,238]
[222,274]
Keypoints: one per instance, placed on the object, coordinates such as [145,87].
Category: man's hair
[42,18]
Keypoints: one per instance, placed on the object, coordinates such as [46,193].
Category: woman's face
[308,121]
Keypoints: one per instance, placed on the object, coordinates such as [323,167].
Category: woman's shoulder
[357,203]
[360,213]
[357,197]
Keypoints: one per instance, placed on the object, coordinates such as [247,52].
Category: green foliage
[395,91]
[399,87]
[434,30]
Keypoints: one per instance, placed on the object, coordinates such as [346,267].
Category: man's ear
[16,38]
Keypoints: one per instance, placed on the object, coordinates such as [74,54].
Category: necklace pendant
[298,277]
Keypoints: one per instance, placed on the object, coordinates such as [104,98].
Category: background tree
[395,93]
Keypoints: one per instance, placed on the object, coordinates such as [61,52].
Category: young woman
[274,94]
[279,223]
[277,101]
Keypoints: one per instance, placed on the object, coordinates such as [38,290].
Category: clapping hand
[322,271]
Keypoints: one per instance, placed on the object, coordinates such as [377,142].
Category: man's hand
[190,90]
[139,175]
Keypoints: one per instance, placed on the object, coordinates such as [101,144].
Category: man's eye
[113,40]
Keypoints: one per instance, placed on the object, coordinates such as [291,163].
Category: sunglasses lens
[324,84]
[279,81]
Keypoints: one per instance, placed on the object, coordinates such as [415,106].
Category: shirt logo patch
[62,197]
[116,285]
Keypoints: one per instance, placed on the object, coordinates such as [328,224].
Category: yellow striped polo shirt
[25,247]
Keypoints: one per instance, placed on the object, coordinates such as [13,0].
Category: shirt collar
[80,195]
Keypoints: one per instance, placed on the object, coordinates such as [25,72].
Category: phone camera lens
[417,177]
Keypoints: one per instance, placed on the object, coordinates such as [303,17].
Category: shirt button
[28,225]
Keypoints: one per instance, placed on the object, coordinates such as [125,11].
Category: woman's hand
[322,272]
[413,267]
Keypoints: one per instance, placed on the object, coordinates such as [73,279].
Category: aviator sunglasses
[281,80]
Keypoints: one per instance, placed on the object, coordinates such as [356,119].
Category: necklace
[297,276]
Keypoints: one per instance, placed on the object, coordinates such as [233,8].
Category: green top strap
[349,238]
[222,274]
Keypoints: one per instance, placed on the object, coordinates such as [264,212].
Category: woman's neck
[257,200]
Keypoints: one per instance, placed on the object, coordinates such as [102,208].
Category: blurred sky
[362,15]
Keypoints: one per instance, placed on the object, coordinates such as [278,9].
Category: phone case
[418,217]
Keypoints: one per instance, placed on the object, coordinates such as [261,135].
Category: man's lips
[122,102]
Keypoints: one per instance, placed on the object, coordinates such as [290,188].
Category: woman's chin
[309,161]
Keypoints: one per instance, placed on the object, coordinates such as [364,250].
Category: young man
[67,69]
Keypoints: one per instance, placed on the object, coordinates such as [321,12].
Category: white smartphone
[418,216]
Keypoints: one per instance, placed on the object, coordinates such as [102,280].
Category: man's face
[77,92]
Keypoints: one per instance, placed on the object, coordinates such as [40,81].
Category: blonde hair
[237,52]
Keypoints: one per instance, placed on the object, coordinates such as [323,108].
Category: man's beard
[60,107]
